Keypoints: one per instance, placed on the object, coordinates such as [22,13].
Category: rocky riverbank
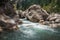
[9,19]
[37,14]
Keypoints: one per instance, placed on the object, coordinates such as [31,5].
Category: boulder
[34,17]
[36,13]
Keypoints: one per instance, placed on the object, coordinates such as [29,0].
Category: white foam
[29,24]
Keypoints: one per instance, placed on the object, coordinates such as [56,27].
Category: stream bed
[31,31]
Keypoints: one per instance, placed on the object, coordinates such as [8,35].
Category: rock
[57,21]
[34,17]
[53,17]
[55,26]
[38,9]
[35,13]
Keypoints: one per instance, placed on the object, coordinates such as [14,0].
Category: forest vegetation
[49,5]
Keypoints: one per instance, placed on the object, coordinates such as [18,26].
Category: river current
[31,31]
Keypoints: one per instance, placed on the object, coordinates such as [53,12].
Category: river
[31,31]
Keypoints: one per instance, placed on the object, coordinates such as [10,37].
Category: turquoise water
[31,31]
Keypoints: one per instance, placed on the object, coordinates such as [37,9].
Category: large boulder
[35,13]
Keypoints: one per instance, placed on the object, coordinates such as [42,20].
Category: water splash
[29,24]
[31,31]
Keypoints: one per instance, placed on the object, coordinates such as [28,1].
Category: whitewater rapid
[28,24]
[31,31]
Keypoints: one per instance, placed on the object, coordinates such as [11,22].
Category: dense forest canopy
[49,5]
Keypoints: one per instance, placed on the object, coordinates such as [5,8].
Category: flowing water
[31,31]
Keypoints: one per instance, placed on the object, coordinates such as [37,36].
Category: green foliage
[24,4]
[49,5]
